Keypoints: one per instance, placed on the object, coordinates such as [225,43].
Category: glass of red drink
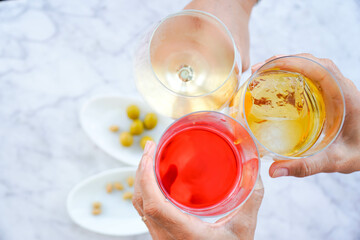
[206,163]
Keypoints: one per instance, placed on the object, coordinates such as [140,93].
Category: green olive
[133,112]
[144,140]
[136,127]
[150,121]
[126,139]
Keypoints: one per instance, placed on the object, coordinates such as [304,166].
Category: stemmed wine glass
[187,63]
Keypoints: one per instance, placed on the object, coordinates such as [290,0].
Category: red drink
[198,166]
[206,163]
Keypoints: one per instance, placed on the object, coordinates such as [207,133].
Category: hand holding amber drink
[343,154]
[293,106]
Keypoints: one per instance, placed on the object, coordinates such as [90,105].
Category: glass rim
[218,204]
[342,97]
[195,12]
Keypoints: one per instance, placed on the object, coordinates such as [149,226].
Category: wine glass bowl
[187,63]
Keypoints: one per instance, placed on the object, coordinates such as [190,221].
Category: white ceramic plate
[101,112]
[118,217]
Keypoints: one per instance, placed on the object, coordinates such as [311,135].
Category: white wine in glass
[188,63]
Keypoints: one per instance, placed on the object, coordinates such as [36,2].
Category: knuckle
[308,55]
[137,201]
[143,180]
[303,169]
[246,228]
[151,209]
[250,223]
[145,157]
[328,63]
[341,162]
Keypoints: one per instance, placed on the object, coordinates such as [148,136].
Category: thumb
[300,167]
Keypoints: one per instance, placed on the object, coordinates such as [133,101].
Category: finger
[137,203]
[156,231]
[275,56]
[255,67]
[251,205]
[327,63]
[302,167]
[155,205]
[245,61]
[312,71]
[322,71]
[244,53]
[243,220]
[259,184]
[137,198]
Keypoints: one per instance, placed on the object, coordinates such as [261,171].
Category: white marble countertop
[54,55]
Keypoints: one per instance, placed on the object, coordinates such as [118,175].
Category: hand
[343,155]
[165,221]
[235,15]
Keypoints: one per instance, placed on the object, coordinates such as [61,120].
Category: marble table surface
[56,54]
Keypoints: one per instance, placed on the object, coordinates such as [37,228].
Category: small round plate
[118,216]
[100,113]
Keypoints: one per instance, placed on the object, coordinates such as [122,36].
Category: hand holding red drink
[165,221]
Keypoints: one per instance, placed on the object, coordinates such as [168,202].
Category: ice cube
[277,95]
[280,137]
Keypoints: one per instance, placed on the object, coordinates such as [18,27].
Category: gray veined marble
[54,55]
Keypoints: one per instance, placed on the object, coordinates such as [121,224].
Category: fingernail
[147,146]
[280,172]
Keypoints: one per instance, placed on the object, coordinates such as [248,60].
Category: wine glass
[188,62]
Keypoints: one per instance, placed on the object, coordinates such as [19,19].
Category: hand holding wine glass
[343,154]
[165,221]
[188,62]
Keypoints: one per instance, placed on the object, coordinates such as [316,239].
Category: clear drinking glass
[187,63]
[206,163]
[293,106]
